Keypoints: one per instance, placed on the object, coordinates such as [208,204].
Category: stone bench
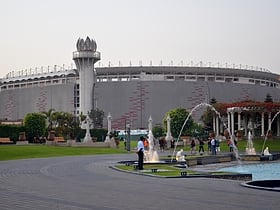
[154,170]
[59,139]
[5,140]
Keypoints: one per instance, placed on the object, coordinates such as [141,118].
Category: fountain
[179,156]
[266,151]
[151,154]
[272,184]
[235,150]
[250,150]
[266,136]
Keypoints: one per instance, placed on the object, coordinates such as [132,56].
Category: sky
[38,33]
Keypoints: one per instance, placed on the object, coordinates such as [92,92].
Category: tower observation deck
[85,57]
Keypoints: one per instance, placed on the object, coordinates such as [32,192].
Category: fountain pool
[260,171]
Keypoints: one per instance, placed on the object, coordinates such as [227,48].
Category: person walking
[201,146]
[193,146]
[140,152]
[213,144]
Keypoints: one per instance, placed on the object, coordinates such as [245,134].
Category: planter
[22,143]
[22,136]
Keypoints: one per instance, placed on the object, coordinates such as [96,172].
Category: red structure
[260,117]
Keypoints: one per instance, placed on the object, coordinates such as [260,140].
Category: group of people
[201,146]
[213,146]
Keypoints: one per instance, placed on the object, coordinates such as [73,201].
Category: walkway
[87,182]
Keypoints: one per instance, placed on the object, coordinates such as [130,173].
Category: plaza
[88,182]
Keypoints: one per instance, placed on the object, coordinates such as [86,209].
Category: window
[200,78]
[251,81]
[220,78]
[180,78]
[190,78]
[169,77]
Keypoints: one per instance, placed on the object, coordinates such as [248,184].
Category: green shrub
[11,131]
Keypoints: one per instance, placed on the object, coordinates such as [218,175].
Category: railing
[96,55]
[39,71]
[86,54]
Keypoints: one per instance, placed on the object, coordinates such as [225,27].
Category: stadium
[134,93]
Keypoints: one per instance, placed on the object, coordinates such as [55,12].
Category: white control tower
[85,57]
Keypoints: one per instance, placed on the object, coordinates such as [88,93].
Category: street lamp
[128,137]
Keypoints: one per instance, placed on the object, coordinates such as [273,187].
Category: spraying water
[250,150]
[235,150]
[151,154]
[265,139]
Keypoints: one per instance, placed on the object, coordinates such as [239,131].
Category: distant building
[132,94]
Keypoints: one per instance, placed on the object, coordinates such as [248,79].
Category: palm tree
[49,115]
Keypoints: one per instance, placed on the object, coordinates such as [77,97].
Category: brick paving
[87,182]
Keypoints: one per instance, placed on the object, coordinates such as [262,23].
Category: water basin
[260,171]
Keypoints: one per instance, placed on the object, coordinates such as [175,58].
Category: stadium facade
[134,93]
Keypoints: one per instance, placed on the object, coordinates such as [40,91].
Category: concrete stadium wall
[135,101]
[18,102]
[131,101]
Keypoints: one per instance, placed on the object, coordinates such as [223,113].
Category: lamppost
[128,137]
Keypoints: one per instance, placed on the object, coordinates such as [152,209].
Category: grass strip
[13,152]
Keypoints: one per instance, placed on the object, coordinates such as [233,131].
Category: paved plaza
[87,182]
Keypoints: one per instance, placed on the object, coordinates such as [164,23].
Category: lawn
[12,152]
[163,170]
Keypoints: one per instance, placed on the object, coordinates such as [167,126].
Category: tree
[49,115]
[178,117]
[66,124]
[35,125]
[207,117]
[158,131]
[97,116]
[63,123]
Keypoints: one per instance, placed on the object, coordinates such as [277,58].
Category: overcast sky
[38,33]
